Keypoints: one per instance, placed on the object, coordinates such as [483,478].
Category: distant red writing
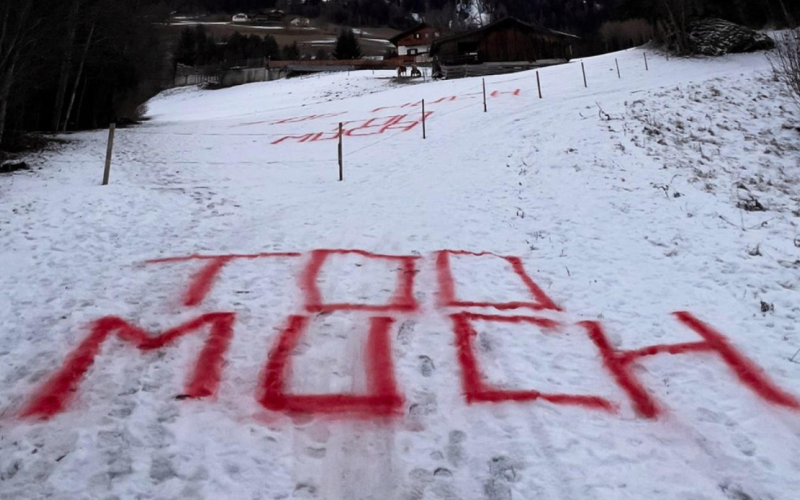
[365,128]
[294,119]
[452,98]
[299,119]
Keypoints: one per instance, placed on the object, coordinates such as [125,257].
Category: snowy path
[623,221]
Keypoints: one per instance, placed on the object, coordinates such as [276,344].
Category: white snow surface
[621,216]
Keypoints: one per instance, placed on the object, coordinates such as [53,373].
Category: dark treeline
[582,17]
[76,64]
[603,25]
[197,48]
[752,13]
[202,51]
[392,13]
[672,18]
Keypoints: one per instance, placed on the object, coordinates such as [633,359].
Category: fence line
[203,134]
[479,87]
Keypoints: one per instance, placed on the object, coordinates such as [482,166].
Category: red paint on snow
[477,390]
[473,95]
[301,138]
[294,119]
[204,279]
[498,93]
[360,128]
[402,301]
[382,398]
[377,126]
[447,293]
[53,397]
[299,119]
[618,363]
[230,256]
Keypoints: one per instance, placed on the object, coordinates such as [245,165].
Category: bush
[291,52]
[785,61]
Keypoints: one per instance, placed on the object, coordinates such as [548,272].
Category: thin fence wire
[124,132]
[199,134]
[437,115]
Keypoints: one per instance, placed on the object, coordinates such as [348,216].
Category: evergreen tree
[347,46]
[271,48]
[291,52]
[186,53]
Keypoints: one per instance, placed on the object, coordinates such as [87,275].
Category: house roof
[404,34]
[502,23]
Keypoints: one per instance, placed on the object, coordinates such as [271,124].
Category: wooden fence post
[484,95]
[424,136]
[646,68]
[584,75]
[109,150]
[617,63]
[341,173]
[538,84]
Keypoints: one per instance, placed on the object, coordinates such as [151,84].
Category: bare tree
[78,76]
[66,63]
[786,62]
[676,14]
[49,51]
[789,17]
[18,38]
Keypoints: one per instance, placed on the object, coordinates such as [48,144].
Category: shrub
[785,61]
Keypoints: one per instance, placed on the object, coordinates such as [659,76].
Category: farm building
[269,16]
[415,42]
[503,46]
[299,22]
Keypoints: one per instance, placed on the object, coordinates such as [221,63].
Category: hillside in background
[580,17]
[588,295]
[82,64]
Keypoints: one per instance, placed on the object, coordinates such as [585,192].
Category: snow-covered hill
[516,369]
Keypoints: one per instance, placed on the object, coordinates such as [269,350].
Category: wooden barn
[503,46]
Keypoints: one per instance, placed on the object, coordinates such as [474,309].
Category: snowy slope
[619,199]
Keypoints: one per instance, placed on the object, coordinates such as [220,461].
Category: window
[416,35]
[412,52]
[436,34]
[427,35]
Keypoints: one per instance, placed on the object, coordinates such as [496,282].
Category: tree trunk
[678,25]
[789,18]
[5,90]
[66,66]
[80,104]
[78,77]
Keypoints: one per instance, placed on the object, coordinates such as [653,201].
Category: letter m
[53,397]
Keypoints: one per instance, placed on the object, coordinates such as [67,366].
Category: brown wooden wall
[512,43]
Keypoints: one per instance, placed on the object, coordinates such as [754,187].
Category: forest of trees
[77,64]
[603,25]
[202,51]
[197,48]
[580,17]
